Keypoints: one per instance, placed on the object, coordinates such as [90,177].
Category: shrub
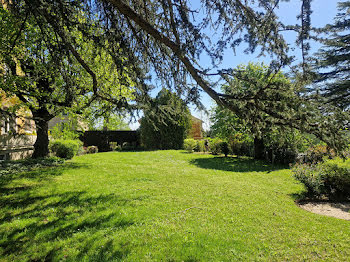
[224,148]
[281,154]
[330,179]
[318,154]
[128,146]
[215,146]
[165,125]
[190,144]
[115,147]
[65,148]
[200,146]
[92,149]
[241,145]
[309,175]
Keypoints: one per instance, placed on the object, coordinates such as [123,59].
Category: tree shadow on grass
[235,164]
[37,174]
[30,217]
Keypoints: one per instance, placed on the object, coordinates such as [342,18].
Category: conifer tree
[165,125]
[334,59]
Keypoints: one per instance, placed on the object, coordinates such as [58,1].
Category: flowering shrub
[318,153]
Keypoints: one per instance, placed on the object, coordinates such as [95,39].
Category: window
[6,126]
[13,125]
[28,125]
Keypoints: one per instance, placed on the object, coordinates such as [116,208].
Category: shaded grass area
[162,206]
[235,164]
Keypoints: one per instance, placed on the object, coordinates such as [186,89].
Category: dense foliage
[333,59]
[66,149]
[254,130]
[325,180]
[48,74]
[65,130]
[166,124]
[168,39]
[190,145]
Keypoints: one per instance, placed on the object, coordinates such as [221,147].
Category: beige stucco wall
[16,147]
[196,128]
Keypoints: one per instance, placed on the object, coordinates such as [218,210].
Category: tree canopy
[334,58]
[41,71]
[268,105]
[166,124]
[168,37]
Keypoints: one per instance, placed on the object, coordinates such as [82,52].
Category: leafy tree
[108,121]
[165,125]
[170,36]
[256,92]
[41,71]
[334,59]
[259,95]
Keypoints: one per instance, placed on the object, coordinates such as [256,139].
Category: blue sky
[324,12]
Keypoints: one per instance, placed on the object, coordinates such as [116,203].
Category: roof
[197,119]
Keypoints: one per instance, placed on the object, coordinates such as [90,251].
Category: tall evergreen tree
[264,104]
[165,125]
[257,96]
[334,59]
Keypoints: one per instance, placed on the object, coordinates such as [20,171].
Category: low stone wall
[16,147]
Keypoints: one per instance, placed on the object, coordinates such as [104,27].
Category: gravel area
[338,210]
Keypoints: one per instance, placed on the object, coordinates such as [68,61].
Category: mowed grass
[162,206]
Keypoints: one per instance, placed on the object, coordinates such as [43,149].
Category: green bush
[224,148]
[165,125]
[215,146]
[65,148]
[115,147]
[92,149]
[241,145]
[330,179]
[318,154]
[190,144]
[200,146]
[281,154]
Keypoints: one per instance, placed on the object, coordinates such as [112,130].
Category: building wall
[17,146]
[196,131]
[17,135]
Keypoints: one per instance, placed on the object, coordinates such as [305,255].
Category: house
[17,134]
[196,131]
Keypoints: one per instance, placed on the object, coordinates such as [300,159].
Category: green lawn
[162,206]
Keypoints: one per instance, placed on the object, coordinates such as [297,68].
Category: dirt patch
[338,210]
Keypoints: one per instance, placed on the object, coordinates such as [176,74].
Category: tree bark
[259,152]
[41,146]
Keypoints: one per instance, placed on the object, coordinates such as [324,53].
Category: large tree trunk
[41,146]
[259,152]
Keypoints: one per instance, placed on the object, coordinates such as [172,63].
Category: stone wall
[16,147]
